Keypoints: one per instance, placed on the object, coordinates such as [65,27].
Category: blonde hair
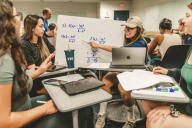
[180,21]
[190,5]
[30,22]
[137,36]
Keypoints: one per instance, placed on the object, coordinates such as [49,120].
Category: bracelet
[174,112]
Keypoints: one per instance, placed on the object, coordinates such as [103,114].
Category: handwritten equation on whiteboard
[80,28]
[92,56]
[101,41]
[71,38]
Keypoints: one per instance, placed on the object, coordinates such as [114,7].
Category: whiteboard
[173,10]
[72,30]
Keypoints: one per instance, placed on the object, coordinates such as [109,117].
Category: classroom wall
[111,6]
[98,10]
[89,8]
[58,7]
[138,6]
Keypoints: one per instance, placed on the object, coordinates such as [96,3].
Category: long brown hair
[9,42]
[137,36]
[31,22]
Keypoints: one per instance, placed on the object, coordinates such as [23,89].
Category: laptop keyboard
[128,66]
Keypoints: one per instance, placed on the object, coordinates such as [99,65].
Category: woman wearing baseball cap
[132,38]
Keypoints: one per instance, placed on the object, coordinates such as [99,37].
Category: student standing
[46,15]
[165,39]
[159,113]
[17,109]
[132,38]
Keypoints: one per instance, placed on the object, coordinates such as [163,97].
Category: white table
[66,103]
[55,72]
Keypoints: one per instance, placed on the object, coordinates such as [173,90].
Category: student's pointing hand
[94,44]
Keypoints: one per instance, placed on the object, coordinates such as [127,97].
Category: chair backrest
[51,40]
[147,39]
[174,57]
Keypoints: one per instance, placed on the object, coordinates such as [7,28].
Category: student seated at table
[180,29]
[50,32]
[187,38]
[132,38]
[165,39]
[17,109]
[36,47]
[159,113]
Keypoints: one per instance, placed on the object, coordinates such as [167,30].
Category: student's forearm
[107,48]
[35,74]
[19,119]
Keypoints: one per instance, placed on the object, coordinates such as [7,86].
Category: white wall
[58,7]
[137,6]
[111,6]
[98,10]
[89,8]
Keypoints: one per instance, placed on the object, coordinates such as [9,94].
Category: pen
[85,41]
[163,90]
[42,102]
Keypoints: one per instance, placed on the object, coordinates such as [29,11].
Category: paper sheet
[99,65]
[161,78]
[131,80]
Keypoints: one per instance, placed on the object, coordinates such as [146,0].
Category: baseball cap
[134,22]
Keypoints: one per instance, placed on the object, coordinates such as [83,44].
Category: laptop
[128,58]
[81,86]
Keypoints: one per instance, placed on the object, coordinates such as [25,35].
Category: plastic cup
[69,58]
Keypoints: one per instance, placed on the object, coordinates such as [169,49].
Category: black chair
[148,39]
[174,57]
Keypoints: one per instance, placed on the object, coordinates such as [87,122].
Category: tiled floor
[111,124]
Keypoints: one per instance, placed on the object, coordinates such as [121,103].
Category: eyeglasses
[20,15]
[52,31]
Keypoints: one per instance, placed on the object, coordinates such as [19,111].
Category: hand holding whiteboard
[74,30]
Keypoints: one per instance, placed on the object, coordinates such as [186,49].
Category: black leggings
[59,119]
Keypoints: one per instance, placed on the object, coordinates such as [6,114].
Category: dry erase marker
[163,90]
[42,102]
[176,89]
[85,41]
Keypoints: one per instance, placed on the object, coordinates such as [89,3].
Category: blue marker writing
[163,89]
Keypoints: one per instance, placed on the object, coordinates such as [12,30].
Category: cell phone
[55,82]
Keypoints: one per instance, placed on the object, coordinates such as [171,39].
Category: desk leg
[100,75]
[75,118]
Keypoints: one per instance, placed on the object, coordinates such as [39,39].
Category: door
[122,15]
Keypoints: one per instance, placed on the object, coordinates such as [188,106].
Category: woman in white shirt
[165,39]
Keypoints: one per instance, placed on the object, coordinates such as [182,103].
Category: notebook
[130,58]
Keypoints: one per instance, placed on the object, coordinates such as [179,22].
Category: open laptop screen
[128,56]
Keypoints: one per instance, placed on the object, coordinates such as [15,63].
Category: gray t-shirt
[8,75]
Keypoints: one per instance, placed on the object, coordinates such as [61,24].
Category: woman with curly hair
[17,109]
